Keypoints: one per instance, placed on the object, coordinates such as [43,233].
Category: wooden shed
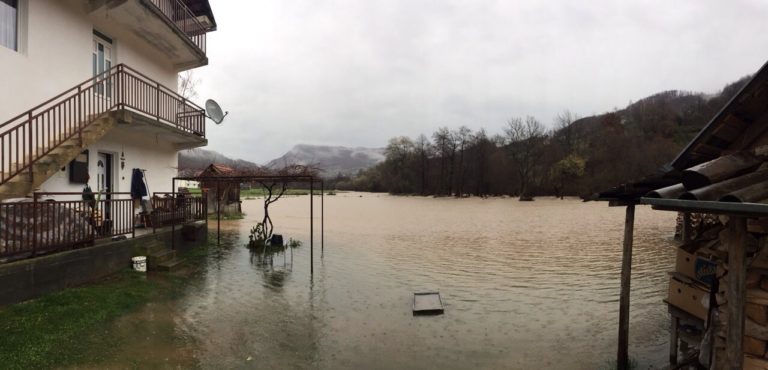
[225,192]
[718,291]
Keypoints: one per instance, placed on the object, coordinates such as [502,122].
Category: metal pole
[173,214]
[311,227]
[322,218]
[218,215]
[622,360]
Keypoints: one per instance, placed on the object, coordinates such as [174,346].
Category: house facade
[89,92]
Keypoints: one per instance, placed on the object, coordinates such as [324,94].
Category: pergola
[284,179]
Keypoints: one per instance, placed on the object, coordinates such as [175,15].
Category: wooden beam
[622,360]
[737,272]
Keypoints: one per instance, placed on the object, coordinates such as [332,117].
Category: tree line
[574,157]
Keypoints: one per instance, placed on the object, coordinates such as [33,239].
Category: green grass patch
[259,192]
[70,327]
[240,216]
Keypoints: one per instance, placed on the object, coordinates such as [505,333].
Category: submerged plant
[258,236]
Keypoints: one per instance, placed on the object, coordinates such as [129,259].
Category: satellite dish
[214,112]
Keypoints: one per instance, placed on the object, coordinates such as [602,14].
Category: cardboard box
[694,266]
[688,296]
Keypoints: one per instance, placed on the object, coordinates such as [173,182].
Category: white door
[102,173]
[102,61]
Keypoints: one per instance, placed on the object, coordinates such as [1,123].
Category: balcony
[170,26]
[41,140]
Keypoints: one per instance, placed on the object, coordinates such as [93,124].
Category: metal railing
[182,17]
[177,208]
[33,134]
[43,226]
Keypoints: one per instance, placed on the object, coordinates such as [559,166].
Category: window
[102,62]
[9,20]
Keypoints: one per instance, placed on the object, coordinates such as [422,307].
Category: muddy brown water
[526,285]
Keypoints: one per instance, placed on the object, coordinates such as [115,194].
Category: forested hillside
[578,156]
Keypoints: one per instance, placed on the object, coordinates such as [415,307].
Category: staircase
[160,258]
[22,184]
[37,143]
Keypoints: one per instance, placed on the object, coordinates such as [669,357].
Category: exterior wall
[159,159]
[55,46]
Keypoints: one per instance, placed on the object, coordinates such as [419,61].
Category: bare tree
[188,84]
[422,151]
[524,142]
[462,138]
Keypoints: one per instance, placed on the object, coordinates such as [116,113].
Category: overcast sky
[355,73]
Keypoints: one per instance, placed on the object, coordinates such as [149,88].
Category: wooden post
[687,228]
[622,361]
[737,272]
[675,322]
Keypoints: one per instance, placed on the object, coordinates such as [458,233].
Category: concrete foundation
[31,278]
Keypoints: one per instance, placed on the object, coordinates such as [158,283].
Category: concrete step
[173,265]
[157,258]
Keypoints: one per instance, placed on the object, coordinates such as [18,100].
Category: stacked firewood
[755,340]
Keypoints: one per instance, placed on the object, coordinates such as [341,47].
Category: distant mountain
[331,160]
[193,160]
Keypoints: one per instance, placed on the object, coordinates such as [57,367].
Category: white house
[89,87]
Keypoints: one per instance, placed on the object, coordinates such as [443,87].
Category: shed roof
[742,120]
[732,132]
[216,169]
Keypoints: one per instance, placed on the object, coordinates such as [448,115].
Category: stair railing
[33,134]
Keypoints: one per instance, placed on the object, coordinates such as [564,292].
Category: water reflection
[274,263]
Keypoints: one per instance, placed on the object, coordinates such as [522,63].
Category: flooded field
[526,285]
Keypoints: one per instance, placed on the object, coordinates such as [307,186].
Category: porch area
[43,225]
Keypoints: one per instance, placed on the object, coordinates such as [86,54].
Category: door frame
[104,89]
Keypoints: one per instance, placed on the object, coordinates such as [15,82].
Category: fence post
[30,157]
[34,224]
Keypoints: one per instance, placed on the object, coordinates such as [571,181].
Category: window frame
[16,5]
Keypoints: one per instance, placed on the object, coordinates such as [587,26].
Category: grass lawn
[68,327]
[73,327]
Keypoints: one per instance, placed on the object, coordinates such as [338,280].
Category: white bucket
[140,263]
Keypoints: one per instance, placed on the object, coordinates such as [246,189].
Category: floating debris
[428,303]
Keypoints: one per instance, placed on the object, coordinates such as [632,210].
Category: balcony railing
[44,225]
[182,17]
[33,134]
